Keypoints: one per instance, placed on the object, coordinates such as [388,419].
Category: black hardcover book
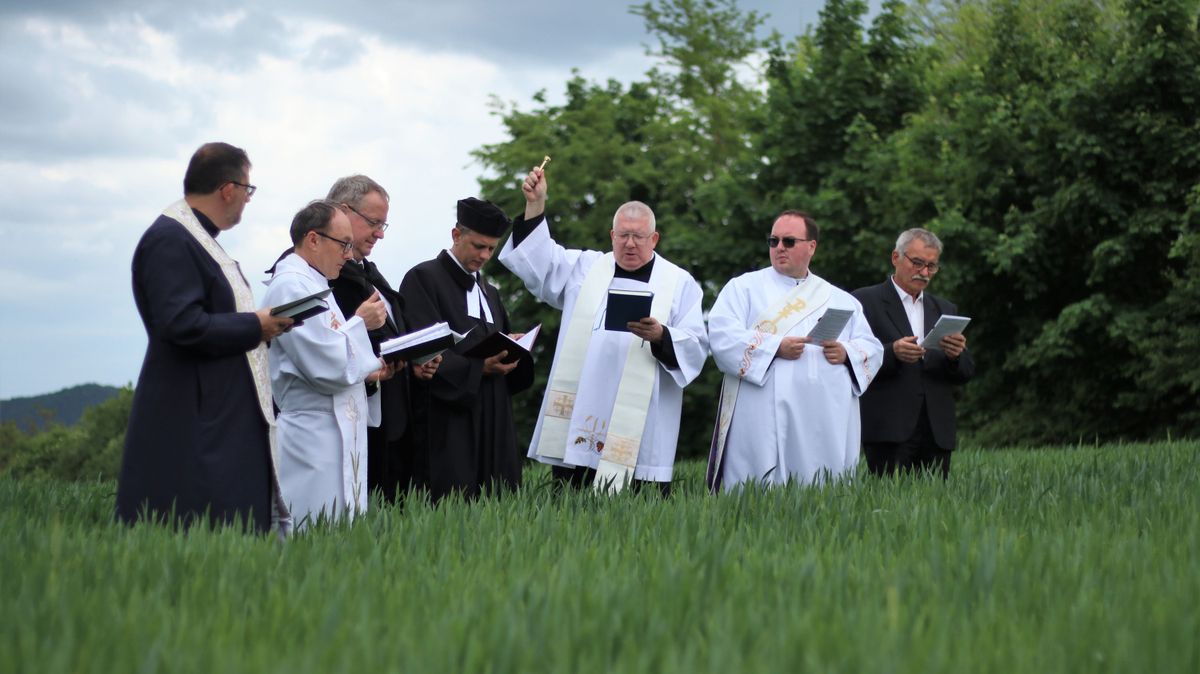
[626,306]
[305,307]
[498,341]
[421,345]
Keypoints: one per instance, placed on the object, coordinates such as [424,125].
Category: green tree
[1058,150]
[835,96]
[679,141]
[88,450]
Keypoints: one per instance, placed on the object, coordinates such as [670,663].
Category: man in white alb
[317,374]
[611,410]
[789,408]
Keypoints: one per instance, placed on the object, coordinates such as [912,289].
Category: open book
[626,306]
[498,341]
[947,324]
[422,345]
[305,307]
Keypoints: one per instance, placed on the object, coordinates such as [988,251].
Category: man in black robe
[198,441]
[461,422]
[365,202]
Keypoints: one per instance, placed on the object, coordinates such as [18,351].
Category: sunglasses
[787,241]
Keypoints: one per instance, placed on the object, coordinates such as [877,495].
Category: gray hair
[352,189]
[634,210]
[927,237]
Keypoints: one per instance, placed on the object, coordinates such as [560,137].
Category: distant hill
[65,406]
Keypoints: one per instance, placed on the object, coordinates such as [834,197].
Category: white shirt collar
[904,293]
[791,280]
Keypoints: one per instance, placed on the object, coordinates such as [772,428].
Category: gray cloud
[332,51]
[259,33]
[574,32]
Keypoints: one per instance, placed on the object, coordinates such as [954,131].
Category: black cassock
[196,440]
[388,464]
[462,432]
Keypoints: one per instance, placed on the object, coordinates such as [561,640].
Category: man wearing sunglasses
[908,415]
[789,406]
[366,204]
[317,374]
[199,437]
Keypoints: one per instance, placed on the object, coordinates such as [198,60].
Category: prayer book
[946,325]
[625,306]
[305,307]
[498,341]
[829,325]
[422,345]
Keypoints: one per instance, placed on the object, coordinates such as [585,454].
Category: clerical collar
[461,276]
[207,223]
[642,273]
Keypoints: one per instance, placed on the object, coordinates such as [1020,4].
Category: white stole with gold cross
[182,213]
[635,389]
[777,319]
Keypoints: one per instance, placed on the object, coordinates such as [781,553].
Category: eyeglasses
[787,241]
[347,246]
[933,267]
[377,224]
[250,189]
[631,236]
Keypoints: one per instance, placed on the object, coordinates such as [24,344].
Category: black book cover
[305,307]
[498,341]
[626,306]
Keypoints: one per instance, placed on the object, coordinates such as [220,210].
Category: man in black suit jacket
[365,203]
[908,412]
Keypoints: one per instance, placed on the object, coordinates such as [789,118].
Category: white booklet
[829,325]
[946,325]
[422,345]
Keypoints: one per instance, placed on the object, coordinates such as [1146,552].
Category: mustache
[918,277]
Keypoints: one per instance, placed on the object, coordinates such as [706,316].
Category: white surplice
[793,419]
[317,375]
[555,275]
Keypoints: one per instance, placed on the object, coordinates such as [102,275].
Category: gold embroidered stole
[634,391]
[182,213]
[623,442]
[564,380]
[777,319]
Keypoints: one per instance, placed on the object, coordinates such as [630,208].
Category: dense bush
[88,450]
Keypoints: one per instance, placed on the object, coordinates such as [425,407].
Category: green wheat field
[1062,559]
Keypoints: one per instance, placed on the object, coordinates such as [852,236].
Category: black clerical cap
[482,216]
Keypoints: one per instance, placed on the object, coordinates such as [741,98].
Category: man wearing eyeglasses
[789,405]
[366,204]
[199,437]
[317,374]
[908,415]
[610,415]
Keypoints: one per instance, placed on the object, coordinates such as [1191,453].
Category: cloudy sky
[102,104]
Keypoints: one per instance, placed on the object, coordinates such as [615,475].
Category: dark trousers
[918,453]
[580,477]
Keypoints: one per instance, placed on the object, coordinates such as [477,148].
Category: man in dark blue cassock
[199,441]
